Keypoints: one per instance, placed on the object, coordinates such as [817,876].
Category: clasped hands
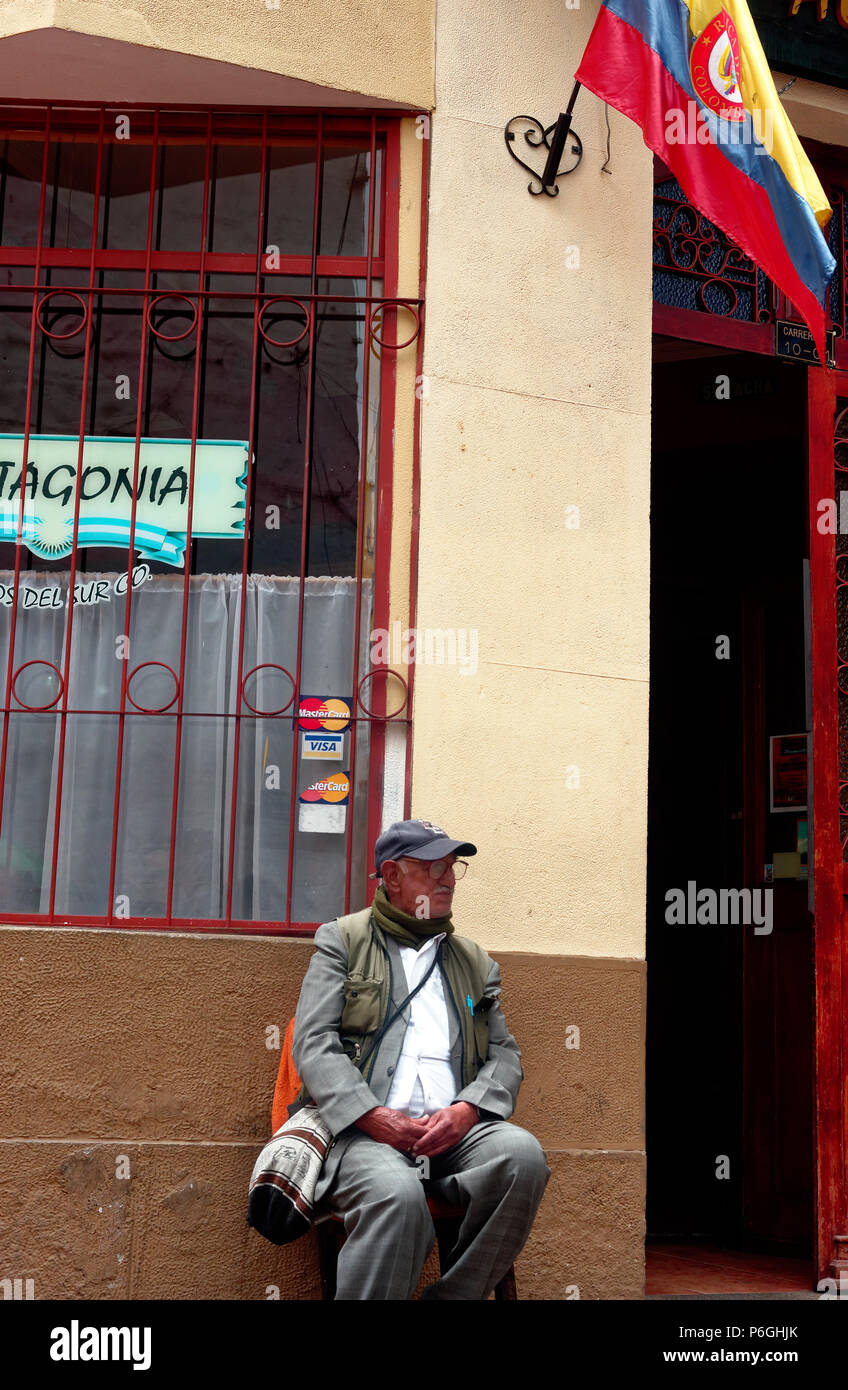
[430,1135]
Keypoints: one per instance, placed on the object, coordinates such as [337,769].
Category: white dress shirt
[423,1081]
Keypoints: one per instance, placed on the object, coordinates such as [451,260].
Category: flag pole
[563,126]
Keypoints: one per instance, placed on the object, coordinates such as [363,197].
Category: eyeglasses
[437,868]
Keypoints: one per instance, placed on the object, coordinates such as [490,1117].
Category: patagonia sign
[107,484]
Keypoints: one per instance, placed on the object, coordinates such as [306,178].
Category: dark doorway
[730,1006]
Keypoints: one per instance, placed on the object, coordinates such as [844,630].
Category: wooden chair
[446,1219]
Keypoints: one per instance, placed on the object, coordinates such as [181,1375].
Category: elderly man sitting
[400,1040]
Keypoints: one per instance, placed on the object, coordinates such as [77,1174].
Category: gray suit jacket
[334,1083]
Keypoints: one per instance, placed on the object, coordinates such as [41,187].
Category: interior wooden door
[827,478]
[777,967]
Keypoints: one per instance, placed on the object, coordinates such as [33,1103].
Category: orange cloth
[288,1082]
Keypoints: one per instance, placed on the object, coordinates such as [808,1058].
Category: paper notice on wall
[320,819]
[788,769]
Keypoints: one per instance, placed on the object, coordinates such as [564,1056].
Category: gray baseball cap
[417,839]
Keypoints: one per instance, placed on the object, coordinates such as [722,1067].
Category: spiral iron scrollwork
[689,245]
[696,266]
[539,137]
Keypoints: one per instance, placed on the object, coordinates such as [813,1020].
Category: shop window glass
[150,767]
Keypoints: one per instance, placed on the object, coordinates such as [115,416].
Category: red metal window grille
[199,333]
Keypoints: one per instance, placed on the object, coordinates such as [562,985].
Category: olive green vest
[465,969]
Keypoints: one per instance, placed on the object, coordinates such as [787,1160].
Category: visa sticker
[322,745]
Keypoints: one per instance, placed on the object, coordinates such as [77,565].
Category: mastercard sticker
[322,806]
[323,712]
[332,790]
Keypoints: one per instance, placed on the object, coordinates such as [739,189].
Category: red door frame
[830,1241]
[830,872]
[830,879]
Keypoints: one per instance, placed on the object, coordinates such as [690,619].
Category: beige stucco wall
[382,50]
[137,1077]
[816,111]
[539,400]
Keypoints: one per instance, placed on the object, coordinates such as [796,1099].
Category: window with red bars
[198,331]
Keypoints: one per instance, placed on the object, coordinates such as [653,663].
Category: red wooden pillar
[828,474]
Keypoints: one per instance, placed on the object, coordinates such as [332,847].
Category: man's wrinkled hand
[391,1127]
[446,1128]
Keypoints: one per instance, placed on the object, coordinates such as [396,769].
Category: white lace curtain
[206,752]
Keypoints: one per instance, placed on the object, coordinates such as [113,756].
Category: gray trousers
[498,1172]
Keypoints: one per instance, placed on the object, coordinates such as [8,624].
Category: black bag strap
[400,1008]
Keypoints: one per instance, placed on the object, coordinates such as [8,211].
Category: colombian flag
[693,75]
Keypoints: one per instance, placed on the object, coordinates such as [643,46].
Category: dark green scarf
[410,931]
[463,965]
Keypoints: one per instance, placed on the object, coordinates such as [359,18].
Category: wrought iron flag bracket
[554,139]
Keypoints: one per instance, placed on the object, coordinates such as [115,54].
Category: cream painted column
[535,493]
